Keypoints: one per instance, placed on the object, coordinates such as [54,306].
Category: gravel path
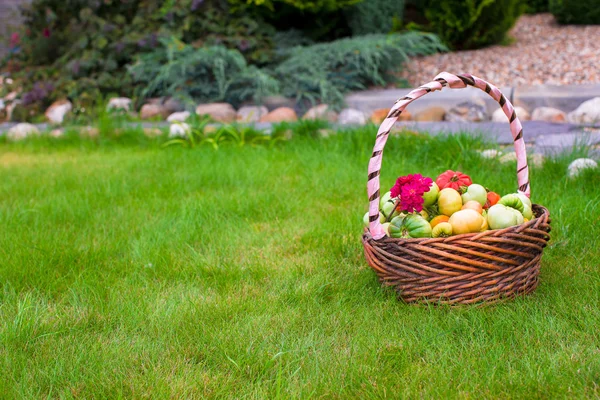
[543,52]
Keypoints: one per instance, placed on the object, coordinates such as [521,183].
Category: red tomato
[492,198]
[454,180]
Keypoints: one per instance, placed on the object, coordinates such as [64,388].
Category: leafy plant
[537,6]
[324,72]
[311,6]
[374,16]
[576,11]
[205,74]
[469,24]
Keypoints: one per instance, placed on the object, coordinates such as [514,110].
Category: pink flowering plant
[409,191]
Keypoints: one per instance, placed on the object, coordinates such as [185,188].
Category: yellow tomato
[473,205]
[466,221]
[443,229]
[438,219]
[449,201]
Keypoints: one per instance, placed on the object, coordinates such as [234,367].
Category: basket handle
[454,82]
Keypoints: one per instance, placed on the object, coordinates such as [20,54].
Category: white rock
[548,114]
[580,164]
[180,116]
[350,116]
[248,114]
[537,160]
[588,112]
[499,116]
[508,157]
[179,130]
[119,103]
[22,131]
[2,104]
[323,112]
[57,111]
[490,153]
[56,133]
[11,96]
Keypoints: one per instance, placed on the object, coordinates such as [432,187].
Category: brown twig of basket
[489,266]
[478,267]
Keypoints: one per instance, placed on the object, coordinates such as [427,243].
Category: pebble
[580,164]
[22,131]
[543,52]
[351,116]
[179,130]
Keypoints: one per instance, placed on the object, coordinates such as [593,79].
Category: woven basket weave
[477,267]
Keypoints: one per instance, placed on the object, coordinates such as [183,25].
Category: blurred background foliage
[243,50]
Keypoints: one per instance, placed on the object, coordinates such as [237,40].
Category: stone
[173,105]
[588,112]
[219,112]
[89,132]
[11,96]
[508,157]
[499,116]
[536,160]
[57,133]
[119,103]
[179,130]
[22,131]
[273,102]
[579,165]
[490,153]
[379,115]
[153,110]
[325,133]
[210,129]
[57,111]
[548,114]
[467,111]
[351,116]
[321,112]
[281,114]
[152,132]
[249,114]
[431,114]
[179,116]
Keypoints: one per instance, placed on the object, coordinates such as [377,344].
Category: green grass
[132,271]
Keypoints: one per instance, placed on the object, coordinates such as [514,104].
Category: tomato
[500,216]
[443,229]
[473,205]
[386,228]
[484,226]
[512,201]
[475,192]
[454,180]
[524,199]
[430,197]
[366,219]
[410,226]
[449,201]
[527,213]
[466,221]
[492,198]
[438,219]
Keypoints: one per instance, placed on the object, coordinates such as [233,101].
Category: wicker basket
[477,267]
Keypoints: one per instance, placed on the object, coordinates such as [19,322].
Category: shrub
[206,74]
[374,16]
[576,11]
[470,24]
[537,6]
[313,6]
[324,72]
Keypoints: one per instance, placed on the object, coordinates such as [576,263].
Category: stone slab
[564,97]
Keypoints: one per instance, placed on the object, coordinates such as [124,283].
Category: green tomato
[389,210]
[527,213]
[410,226]
[384,199]
[475,192]
[512,201]
[500,216]
[524,199]
[429,198]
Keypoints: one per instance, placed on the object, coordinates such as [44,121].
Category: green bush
[313,6]
[470,24]
[324,72]
[206,74]
[374,16]
[582,12]
[537,6]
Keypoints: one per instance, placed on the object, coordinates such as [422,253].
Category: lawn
[128,270]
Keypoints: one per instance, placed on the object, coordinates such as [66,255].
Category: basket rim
[538,210]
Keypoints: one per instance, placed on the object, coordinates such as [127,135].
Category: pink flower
[46,32]
[15,39]
[410,189]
